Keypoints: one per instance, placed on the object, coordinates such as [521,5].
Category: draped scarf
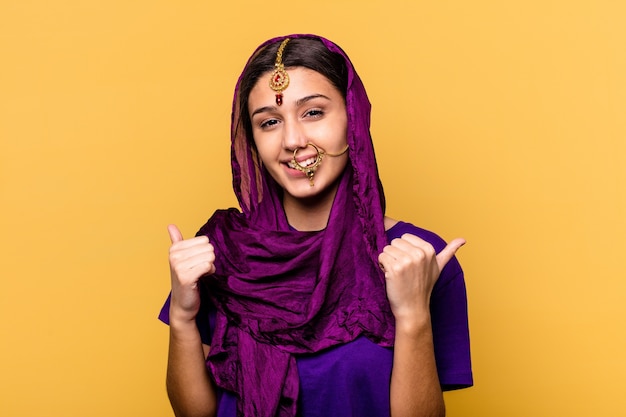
[280,292]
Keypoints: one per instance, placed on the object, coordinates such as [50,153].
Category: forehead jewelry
[279,80]
[310,169]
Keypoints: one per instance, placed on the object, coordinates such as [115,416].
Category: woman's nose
[294,136]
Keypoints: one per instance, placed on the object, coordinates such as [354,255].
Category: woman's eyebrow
[308,98]
[299,102]
[263,109]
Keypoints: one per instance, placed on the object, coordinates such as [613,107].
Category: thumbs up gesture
[189,259]
[411,269]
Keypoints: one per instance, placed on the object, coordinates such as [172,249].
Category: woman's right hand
[190,259]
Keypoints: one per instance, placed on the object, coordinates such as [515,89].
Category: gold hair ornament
[310,169]
[279,80]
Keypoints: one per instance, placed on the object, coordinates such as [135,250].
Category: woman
[310,301]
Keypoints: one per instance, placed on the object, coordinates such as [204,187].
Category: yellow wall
[501,121]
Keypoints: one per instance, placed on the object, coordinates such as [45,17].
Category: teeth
[303,164]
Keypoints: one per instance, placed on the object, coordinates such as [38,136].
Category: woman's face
[313,111]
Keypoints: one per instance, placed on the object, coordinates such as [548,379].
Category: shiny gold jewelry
[310,169]
[279,80]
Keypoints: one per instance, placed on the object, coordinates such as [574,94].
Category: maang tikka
[279,80]
[310,169]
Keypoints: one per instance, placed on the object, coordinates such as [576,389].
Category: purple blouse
[353,379]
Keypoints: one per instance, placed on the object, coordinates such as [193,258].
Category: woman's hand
[190,259]
[411,269]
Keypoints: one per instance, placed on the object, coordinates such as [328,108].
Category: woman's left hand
[411,269]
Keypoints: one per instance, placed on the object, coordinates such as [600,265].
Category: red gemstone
[279,99]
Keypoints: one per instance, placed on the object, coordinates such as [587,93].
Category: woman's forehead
[302,82]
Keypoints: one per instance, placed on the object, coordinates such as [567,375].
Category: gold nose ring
[309,170]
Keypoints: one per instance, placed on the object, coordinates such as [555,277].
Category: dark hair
[299,52]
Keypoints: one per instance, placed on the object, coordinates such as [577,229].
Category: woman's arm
[415,388]
[411,269]
[189,386]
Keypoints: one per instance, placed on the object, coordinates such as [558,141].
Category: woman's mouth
[302,164]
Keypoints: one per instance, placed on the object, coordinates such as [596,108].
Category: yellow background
[499,121]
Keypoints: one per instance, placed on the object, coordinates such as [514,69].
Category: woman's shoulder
[396,228]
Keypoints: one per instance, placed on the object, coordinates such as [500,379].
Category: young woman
[310,301]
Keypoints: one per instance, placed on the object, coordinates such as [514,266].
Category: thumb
[175,234]
[448,252]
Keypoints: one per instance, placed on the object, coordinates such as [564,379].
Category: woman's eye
[314,113]
[268,123]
